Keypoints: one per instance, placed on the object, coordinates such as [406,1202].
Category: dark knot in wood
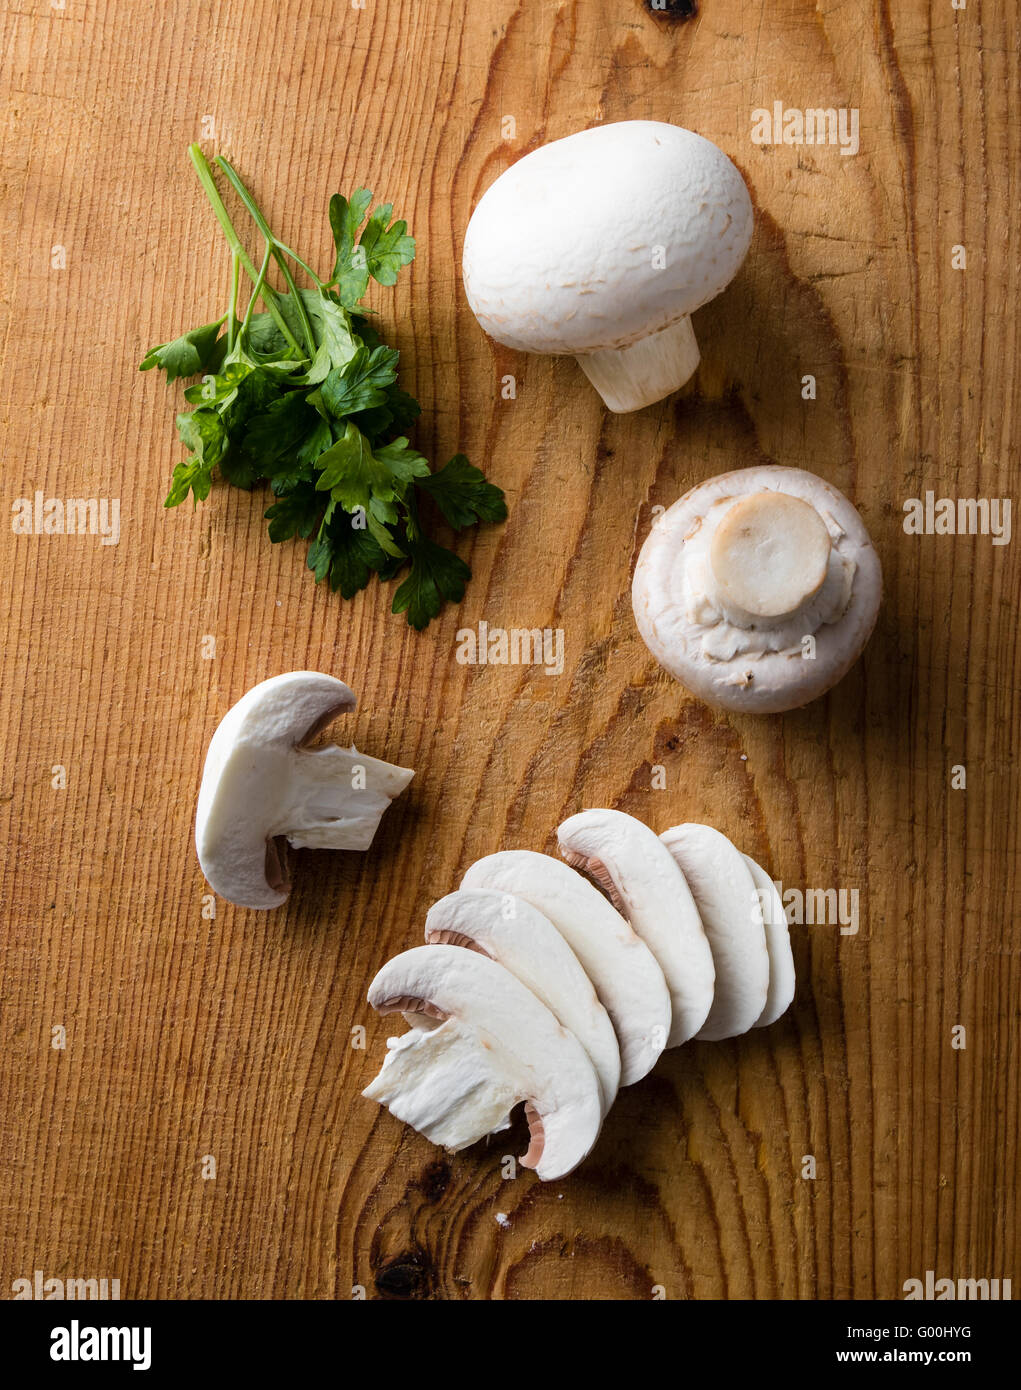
[672,9]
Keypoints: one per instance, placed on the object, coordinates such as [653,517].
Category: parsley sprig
[304,396]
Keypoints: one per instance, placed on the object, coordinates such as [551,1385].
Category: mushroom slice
[497,1044]
[513,932]
[623,970]
[639,873]
[778,943]
[263,789]
[728,903]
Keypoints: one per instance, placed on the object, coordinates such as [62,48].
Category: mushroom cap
[561,253]
[755,682]
[518,936]
[637,869]
[626,975]
[495,1044]
[728,903]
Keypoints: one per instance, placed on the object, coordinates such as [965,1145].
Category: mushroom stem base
[632,377]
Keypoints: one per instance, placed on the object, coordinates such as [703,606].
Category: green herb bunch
[304,396]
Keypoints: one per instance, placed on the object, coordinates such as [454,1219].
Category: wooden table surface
[186,1037]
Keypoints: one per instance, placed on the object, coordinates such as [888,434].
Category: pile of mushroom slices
[535,986]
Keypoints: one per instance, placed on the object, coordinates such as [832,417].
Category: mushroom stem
[769,554]
[336,797]
[632,377]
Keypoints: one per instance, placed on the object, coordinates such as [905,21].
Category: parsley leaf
[386,248]
[203,433]
[361,383]
[191,476]
[216,391]
[315,443]
[398,412]
[355,478]
[354,555]
[436,574]
[336,342]
[351,278]
[404,462]
[255,391]
[462,494]
[381,251]
[278,432]
[198,351]
[296,514]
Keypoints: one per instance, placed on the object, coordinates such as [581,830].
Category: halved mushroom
[728,903]
[263,789]
[778,943]
[624,972]
[492,1043]
[638,872]
[758,589]
[513,932]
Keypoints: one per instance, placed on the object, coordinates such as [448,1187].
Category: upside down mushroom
[758,589]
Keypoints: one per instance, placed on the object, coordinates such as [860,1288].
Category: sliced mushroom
[778,943]
[624,972]
[758,589]
[639,873]
[493,1044]
[263,789]
[513,932]
[728,904]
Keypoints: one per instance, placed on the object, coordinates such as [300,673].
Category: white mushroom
[624,972]
[758,589]
[262,789]
[778,943]
[511,931]
[491,1044]
[639,873]
[728,903]
[602,245]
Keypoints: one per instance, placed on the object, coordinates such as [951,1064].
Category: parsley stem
[213,194]
[319,284]
[285,269]
[259,287]
[232,313]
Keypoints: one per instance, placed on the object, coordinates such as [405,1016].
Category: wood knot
[672,9]
[409,1275]
[435,1180]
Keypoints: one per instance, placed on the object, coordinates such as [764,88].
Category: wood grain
[188,1037]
